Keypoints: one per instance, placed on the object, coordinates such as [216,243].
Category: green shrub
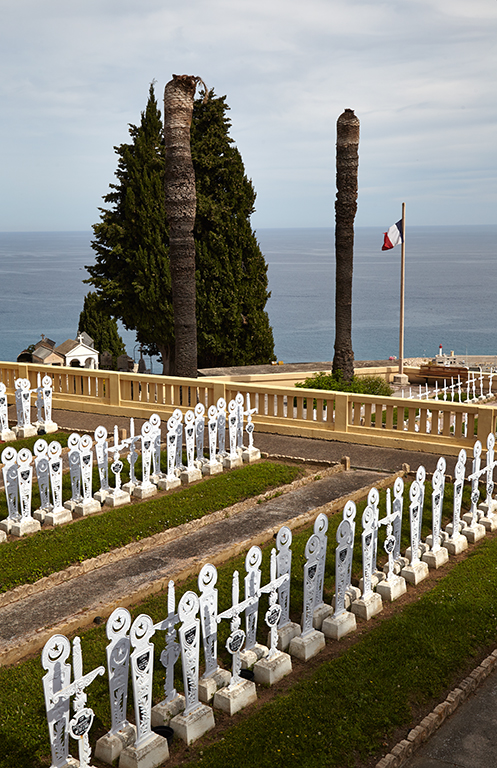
[364,385]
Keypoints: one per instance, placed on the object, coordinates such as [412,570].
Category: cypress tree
[103,329]
[131,272]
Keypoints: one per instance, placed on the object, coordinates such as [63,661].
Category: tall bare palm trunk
[180,207]
[345,211]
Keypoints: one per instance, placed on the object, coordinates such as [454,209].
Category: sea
[450,291]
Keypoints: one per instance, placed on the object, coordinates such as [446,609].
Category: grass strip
[345,712]
[27,560]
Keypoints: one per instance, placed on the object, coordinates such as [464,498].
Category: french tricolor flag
[393,237]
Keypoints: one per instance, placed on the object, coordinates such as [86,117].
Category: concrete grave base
[320,614]
[46,427]
[207,686]
[3,536]
[163,712]
[101,495]
[191,727]
[109,747]
[393,589]
[6,525]
[85,508]
[474,533]
[234,462]
[231,700]
[117,498]
[40,514]
[128,487]
[24,527]
[376,577]
[456,545]
[190,476]
[423,547]
[337,627]
[436,559]
[249,657]
[168,483]
[368,607]
[151,754]
[286,634]
[144,491]
[28,431]
[304,648]
[212,469]
[488,510]
[489,522]
[249,455]
[70,504]
[269,671]
[58,517]
[6,435]
[415,573]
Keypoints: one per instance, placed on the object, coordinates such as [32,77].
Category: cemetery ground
[349,704]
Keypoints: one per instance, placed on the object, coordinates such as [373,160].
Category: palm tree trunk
[345,211]
[180,207]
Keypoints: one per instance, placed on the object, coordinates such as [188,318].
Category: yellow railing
[432,426]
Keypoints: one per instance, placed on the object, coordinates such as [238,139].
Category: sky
[419,74]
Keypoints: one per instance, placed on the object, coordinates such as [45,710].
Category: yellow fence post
[114,387]
[486,421]
[341,412]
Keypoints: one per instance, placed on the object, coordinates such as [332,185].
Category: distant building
[77,354]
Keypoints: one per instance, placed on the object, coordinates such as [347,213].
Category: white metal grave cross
[390,540]
[118,651]
[207,580]
[235,641]
[273,614]
[171,652]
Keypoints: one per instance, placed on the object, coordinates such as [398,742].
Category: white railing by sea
[417,424]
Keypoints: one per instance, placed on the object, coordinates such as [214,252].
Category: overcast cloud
[420,75]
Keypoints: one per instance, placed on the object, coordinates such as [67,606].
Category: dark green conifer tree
[131,272]
[100,326]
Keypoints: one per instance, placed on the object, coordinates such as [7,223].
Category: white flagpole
[402,289]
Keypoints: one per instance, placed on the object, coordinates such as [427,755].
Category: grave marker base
[40,514]
[249,455]
[232,462]
[70,504]
[393,589]
[337,627]
[269,671]
[456,545]
[3,536]
[207,686]
[286,635]
[212,469]
[151,754]
[249,656]
[101,495]
[129,487]
[27,431]
[58,517]
[474,533]
[7,435]
[168,483]
[117,498]
[368,607]
[320,614]
[190,476]
[46,427]
[436,559]
[109,747]
[415,573]
[376,577]
[24,527]
[163,712]
[191,727]
[304,648]
[144,491]
[6,525]
[231,700]
[489,522]
[84,508]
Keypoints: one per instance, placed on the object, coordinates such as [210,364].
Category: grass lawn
[343,712]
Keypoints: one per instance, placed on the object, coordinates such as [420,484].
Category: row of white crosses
[24,427]
[195,621]
[18,466]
